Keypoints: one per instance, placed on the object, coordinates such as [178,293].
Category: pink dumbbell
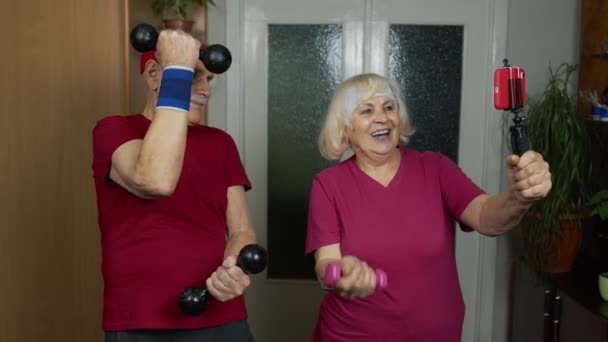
[333,274]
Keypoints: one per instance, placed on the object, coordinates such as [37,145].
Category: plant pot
[567,248]
[177,24]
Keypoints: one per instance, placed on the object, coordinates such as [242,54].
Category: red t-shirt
[153,249]
[407,230]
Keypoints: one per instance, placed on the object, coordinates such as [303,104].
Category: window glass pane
[426,62]
[304,70]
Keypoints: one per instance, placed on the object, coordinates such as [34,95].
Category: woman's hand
[529,177]
[358,279]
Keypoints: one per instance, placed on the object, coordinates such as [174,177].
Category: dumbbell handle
[333,274]
[252,259]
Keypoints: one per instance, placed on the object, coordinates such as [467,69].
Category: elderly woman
[392,208]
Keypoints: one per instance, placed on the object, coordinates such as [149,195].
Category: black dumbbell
[216,58]
[143,38]
[252,259]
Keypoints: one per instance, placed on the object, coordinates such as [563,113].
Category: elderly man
[172,208]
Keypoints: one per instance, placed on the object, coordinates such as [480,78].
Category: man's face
[200,93]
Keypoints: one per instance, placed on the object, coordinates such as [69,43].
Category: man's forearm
[162,151]
[238,240]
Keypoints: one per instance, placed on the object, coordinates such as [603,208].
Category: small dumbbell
[252,259]
[216,58]
[333,274]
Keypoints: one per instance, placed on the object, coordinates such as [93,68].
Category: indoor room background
[67,63]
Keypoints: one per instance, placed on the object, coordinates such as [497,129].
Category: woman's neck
[381,168]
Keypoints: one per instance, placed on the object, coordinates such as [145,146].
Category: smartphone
[509,88]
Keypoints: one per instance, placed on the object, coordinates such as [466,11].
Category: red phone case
[509,88]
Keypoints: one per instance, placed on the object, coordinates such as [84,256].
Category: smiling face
[368,115]
[374,127]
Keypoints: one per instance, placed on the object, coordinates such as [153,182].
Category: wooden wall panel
[594,41]
[139,11]
[62,71]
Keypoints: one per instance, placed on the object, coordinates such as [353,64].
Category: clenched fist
[175,47]
[228,281]
[358,278]
[529,176]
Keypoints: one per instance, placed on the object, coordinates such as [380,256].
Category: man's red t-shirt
[153,249]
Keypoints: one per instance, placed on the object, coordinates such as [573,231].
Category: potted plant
[176,14]
[552,228]
[599,205]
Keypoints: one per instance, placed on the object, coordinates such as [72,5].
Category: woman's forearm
[501,213]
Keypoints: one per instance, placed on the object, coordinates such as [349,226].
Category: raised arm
[529,181]
[151,167]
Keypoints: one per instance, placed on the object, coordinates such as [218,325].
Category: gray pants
[231,332]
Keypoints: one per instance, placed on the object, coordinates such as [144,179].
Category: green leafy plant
[599,205]
[558,133]
[177,8]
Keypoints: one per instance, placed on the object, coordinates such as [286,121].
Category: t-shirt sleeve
[109,134]
[235,171]
[457,189]
[323,222]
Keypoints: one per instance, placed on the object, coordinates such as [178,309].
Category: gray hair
[333,140]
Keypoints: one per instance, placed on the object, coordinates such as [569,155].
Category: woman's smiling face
[374,126]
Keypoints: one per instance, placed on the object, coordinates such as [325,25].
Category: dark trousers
[231,332]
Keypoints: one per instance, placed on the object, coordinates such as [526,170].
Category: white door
[394,52]
[290,56]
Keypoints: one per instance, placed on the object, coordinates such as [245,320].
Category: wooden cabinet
[584,313]
[593,51]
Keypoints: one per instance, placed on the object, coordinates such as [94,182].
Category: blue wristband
[175,89]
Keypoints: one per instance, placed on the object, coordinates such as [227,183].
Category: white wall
[216,34]
[540,32]
[543,32]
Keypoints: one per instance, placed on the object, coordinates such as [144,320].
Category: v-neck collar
[392,182]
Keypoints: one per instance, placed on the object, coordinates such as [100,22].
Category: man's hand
[177,48]
[228,281]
